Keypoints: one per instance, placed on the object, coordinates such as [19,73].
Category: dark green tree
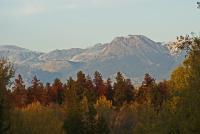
[81,85]
[6,73]
[119,85]
[145,90]
[90,90]
[102,126]
[73,123]
[109,88]
[129,91]
[123,90]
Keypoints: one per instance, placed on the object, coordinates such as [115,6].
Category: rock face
[133,55]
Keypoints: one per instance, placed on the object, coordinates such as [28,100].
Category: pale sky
[45,25]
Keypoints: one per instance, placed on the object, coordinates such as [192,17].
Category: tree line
[88,105]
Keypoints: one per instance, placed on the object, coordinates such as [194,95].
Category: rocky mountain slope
[133,55]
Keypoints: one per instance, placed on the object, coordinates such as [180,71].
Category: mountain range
[133,55]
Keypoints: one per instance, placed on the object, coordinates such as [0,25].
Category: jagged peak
[132,37]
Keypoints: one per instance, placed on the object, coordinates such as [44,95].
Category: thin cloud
[32,9]
[15,8]
[36,7]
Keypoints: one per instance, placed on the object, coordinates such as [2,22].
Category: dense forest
[92,105]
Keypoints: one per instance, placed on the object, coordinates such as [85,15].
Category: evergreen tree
[81,85]
[36,92]
[110,91]
[4,113]
[129,91]
[123,90]
[90,90]
[57,92]
[102,126]
[47,90]
[71,91]
[6,73]
[19,92]
[73,123]
[89,117]
[159,95]
[100,87]
[148,80]
[145,91]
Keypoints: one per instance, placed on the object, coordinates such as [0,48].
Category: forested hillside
[93,105]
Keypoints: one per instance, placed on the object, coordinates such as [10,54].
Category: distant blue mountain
[133,55]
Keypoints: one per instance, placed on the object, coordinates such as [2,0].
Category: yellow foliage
[84,104]
[179,79]
[102,102]
[34,107]
[172,104]
[103,107]
[36,119]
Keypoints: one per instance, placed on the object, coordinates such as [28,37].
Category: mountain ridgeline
[133,55]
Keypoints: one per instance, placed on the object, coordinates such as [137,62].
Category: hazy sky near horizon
[45,25]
